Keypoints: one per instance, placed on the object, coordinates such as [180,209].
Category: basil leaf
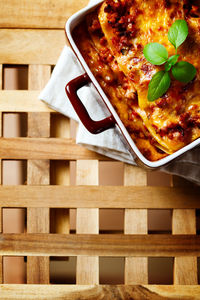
[158,85]
[184,71]
[155,53]
[178,33]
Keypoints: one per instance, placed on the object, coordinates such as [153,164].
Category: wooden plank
[38,76]
[38,267]
[99,197]
[1,120]
[185,268]
[1,269]
[1,211]
[184,222]
[1,219]
[1,225]
[87,221]
[122,292]
[29,46]
[175,291]
[60,175]
[135,222]
[39,124]
[157,245]
[1,76]
[22,101]
[38,173]
[45,148]
[37,14]
[180,224]
[39,224]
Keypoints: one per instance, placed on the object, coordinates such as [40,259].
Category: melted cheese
[112,42]
[152,25]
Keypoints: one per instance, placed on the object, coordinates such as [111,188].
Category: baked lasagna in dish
[111,40]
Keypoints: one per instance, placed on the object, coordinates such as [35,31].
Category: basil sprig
[157,54]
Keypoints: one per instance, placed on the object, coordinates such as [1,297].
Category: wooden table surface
[32,33]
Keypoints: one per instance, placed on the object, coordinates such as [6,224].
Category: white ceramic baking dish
[114,120]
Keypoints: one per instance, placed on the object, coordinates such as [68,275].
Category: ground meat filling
[123,23]
[174,120]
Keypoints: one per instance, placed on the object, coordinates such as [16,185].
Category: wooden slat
[123,292]
[29,46]
[1,229]
[37,14]
[135,222]
[175,291]
[38,173]
[39,124]
[184,222]
[1,76]
[22,101]
[60,175]
[157,245]
[1,269]
[1,120]
[45,148]
[38,267]
[1,215]
[99,197]
[38,76]
[87,221]
[1,211]
[185,268]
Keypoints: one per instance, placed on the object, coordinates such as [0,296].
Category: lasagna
[111,40]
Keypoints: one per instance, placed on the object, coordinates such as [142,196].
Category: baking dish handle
[91,125]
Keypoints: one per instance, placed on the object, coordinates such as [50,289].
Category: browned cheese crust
[111,40]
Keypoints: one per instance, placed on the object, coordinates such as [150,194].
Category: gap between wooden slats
[60,175]
[37,13]
[135,222]
[1,258]
[184,222]
[31,46]
[38,173]
[87,221]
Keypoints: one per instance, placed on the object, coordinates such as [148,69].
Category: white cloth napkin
[108,142]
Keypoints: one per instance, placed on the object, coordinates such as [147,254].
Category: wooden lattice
[32,34]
